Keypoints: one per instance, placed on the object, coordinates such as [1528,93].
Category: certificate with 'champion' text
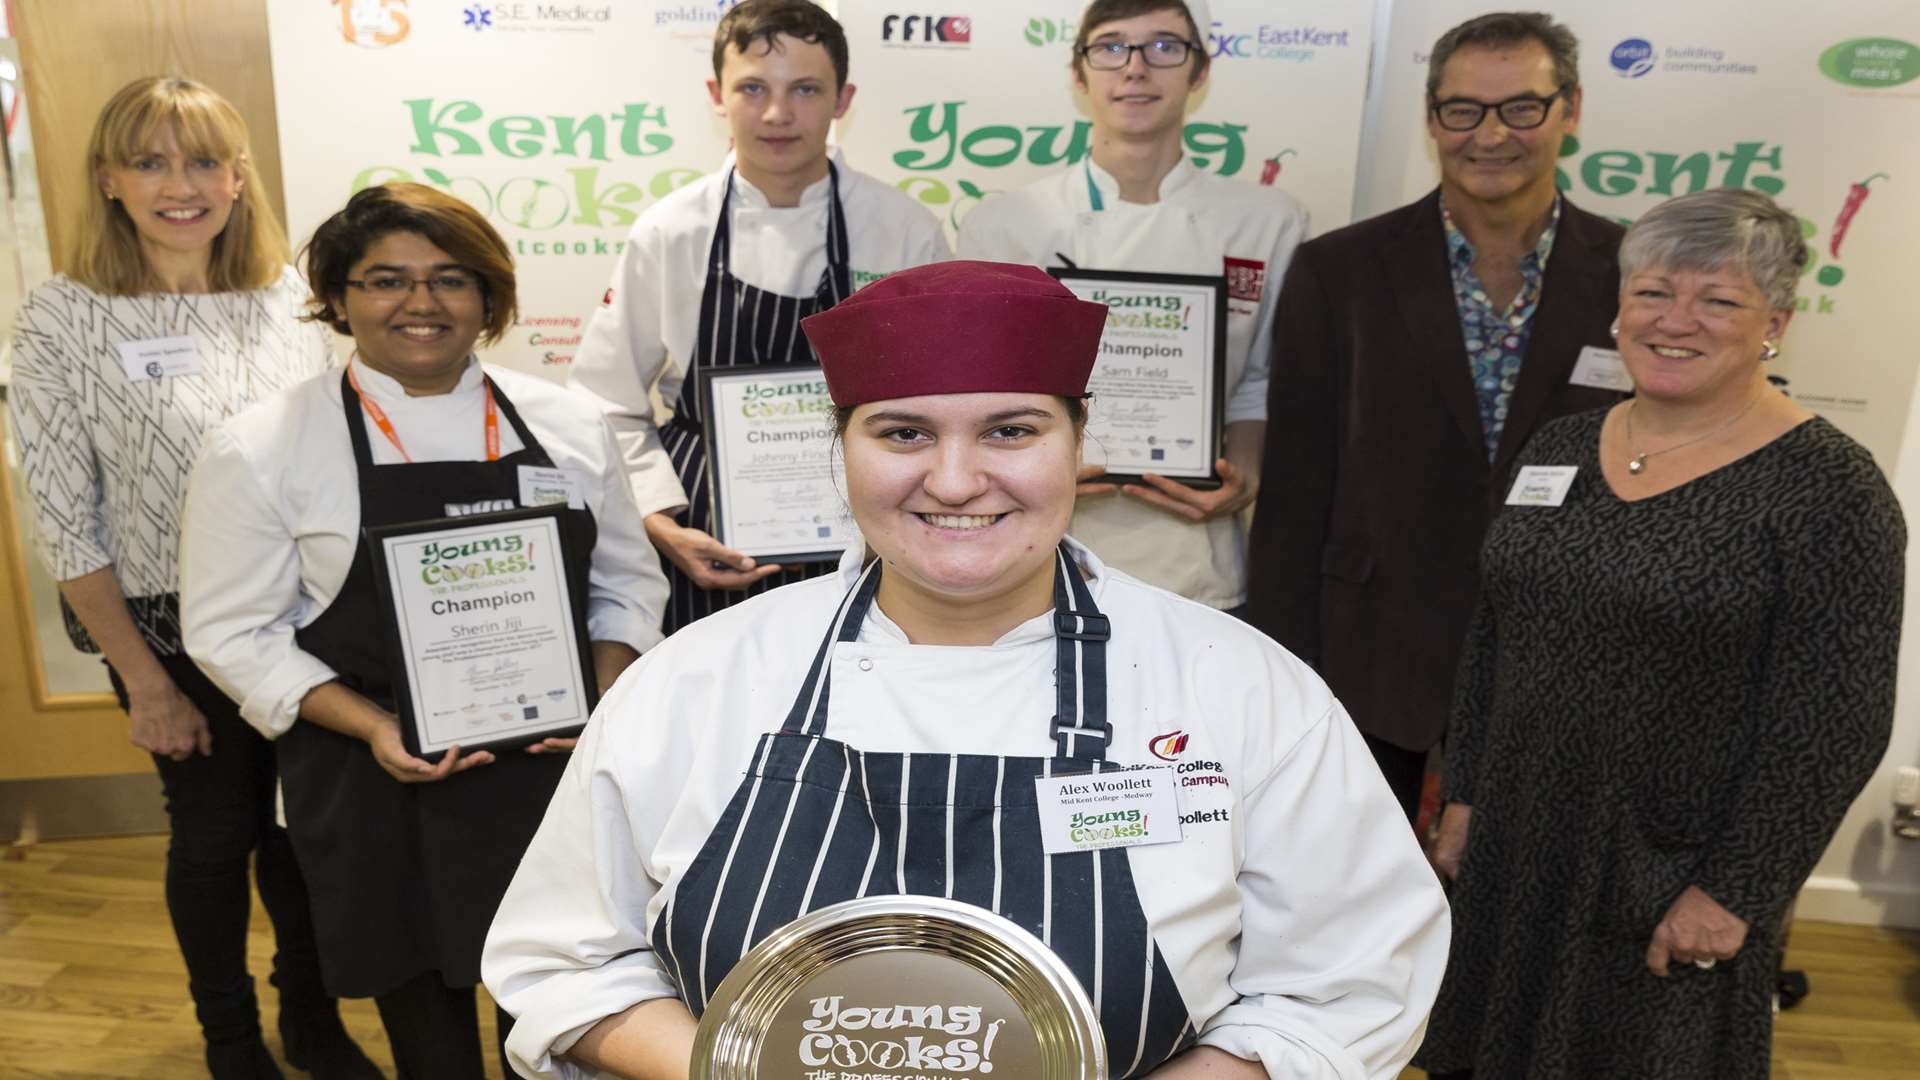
[491,647]
[770,463]
[1157,388]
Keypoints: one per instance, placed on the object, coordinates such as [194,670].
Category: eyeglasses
[1522,113]
[445,285]
[1158,53]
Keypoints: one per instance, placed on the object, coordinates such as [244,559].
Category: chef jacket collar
[386,390]
[748,197]
[882,630]
[1182,174]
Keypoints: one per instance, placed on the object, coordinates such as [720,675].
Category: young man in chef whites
[1137,203]
[721,272]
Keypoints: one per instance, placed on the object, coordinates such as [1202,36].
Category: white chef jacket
[273,518]
[644,329]
[1201,223]
[1298,916]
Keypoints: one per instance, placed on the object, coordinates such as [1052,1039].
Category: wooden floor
[91,984]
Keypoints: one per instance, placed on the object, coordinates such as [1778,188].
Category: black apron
[740,324]
[816,822]
[405,877]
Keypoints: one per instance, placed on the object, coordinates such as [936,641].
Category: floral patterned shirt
[1496,340]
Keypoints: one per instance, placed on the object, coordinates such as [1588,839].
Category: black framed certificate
[1158,387]
[491,649]
[772,480]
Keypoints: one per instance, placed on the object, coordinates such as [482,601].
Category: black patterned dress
[1688,689]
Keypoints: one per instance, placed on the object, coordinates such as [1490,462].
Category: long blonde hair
[106,257]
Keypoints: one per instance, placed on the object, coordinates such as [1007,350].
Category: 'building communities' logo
[373,23]
[1632,58]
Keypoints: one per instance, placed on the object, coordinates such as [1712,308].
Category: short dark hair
[764,20]
[448,223]
[1101,12]
[1503,29]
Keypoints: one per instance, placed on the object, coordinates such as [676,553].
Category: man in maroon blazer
[1414,353]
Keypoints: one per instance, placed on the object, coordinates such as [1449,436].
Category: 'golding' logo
[1168,747]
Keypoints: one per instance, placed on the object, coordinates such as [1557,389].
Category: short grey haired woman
[1680,675]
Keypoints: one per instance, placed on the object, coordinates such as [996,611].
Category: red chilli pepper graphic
[1270,170]
[1856,195]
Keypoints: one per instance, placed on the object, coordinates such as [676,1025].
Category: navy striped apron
[816,822]
[740,324]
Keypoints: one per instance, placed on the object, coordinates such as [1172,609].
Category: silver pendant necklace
[1638,462]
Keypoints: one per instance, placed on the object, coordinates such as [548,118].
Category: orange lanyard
[386,426]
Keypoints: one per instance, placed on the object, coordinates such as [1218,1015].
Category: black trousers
[221,809]
[1405,770]
[434,1030]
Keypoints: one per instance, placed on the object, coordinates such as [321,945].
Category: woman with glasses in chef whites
[177,310]
[407,859]
[1290,926]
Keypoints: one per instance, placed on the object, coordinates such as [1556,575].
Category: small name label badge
[159,358]
[1091,811]
[544,487]
[1541,485]
[1601,369]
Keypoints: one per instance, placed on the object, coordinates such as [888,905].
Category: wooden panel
[75,53]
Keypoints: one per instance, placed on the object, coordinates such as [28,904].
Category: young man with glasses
[721,272]
[1138,204]
[1415,352]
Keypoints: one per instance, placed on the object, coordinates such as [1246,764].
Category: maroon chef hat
[958,327]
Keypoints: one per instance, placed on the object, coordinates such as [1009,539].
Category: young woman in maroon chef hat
[895,724]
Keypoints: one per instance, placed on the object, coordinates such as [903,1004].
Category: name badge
[159,358]
[1601,369]
[1092,811]
[1541,485]
[544,487]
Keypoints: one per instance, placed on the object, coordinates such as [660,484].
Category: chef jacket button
[866,664]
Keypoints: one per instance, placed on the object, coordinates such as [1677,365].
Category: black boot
[316,1042]
[245,1060]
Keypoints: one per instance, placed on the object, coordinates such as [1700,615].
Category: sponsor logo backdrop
[563,121]
[1815,107]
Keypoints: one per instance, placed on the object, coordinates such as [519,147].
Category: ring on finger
[1704,965]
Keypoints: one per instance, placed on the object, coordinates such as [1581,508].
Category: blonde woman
[178,309]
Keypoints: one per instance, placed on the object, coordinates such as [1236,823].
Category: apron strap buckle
[1065,737]
[1082,625]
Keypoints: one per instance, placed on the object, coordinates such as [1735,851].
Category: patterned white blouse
[106,454]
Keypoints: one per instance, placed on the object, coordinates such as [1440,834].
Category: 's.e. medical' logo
[924,31]
[478,17]
[1632,58]
[1168,747]
[373,23]
[1874,63]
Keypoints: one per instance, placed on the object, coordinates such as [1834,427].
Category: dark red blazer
[1376,490]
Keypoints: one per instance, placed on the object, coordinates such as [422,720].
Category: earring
[111,197]
[1769,352]
[1614,330]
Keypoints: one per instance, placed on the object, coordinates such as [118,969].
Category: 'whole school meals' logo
[1294,43]
[1632,58]
[373,23]
[1041,33]
[927,30]
[1874,63]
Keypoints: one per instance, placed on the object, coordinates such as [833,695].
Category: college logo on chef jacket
[1245,278]
[1168,747]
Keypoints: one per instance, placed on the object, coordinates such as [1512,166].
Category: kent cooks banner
[563,121]
[1817,107]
